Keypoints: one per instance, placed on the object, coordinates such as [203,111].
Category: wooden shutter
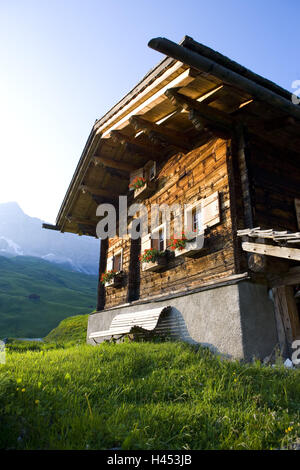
[297,206]
[146,243]
[211,210]
[150,170]
[109,263]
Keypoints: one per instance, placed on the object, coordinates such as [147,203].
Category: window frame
[161,227]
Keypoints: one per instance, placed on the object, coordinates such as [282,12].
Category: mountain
[22,235]
[35,295]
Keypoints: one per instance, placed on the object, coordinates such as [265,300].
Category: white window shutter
[188,218]
[146,243]
[199,215]
[109,263]
[211,210]
[297,206]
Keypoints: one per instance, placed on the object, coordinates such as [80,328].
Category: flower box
[144,191]
[153,260]
[116,281]
[157,265]
[191,248]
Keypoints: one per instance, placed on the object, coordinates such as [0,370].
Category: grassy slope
[62,293]
[69,330]
[143,396]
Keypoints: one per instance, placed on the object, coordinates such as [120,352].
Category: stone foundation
[235,320]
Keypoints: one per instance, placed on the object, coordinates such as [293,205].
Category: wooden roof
[172,109]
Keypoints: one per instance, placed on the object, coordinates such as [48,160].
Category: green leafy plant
[137,183]
[108,276]
[151,255]
[178,243]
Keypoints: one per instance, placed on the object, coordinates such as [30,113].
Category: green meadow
[64,394]
[36,295]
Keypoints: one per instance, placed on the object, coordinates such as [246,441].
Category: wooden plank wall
[275,183]
[184,179]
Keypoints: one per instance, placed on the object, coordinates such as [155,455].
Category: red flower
[138,182]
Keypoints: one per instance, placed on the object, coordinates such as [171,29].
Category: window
[158,243]
[193,220]
[148,172]
[201,214]
[196,220]
[117,263]
[158,238]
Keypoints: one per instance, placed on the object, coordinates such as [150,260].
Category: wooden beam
[143,153]
[270,250]
[163,134]
[279,123]
[210,115]
[98,192]
[103,200]
[286,310]
[227,76]
[110,163]
[130,145]
[86,230]
[82,220]
[139,105]
[198,122]
[292,277]
[267,264]
[282,319]
[201,125]
[51,227]
[212,95]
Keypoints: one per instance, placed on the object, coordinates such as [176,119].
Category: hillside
[69,330]
[144,396]
[23,235]
[36,295]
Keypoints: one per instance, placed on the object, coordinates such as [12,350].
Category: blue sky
[64,63]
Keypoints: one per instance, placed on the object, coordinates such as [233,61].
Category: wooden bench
[124,323]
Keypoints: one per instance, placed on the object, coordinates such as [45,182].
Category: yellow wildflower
[37,402]
[23,389]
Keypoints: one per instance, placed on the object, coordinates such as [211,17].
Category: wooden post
[286,313]
[243,158]
[134,271]
[102,268]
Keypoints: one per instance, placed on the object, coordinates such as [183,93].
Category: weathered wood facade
[218,137]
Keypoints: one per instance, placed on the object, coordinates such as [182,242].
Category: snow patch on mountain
[22,235]
[9,246]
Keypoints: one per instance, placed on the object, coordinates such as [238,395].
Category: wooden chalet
[201,130]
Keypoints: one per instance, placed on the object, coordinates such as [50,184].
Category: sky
[65,63]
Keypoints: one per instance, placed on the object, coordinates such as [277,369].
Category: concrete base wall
[236,320]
